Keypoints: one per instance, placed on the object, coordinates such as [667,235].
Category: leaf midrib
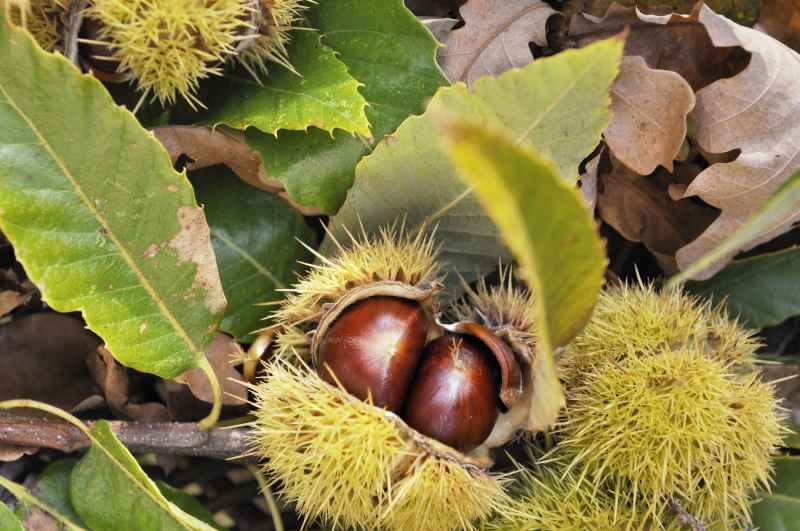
[122,251]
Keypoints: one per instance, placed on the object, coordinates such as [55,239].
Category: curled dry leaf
[757,112]
[11,300]
[640,209]
[494,38]
[219,353]
[113,380]
[671,42]
[650,108]
[45,353]
[208,147]
[780,19]
[10,452]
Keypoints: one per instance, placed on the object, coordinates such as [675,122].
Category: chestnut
[454,396]
[373,349]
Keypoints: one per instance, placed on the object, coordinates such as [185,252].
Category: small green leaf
[761,291]
[323,95]
[255,237]
[780,510]
[110,491]
[98,217]
[558,105]
[780,206]
[545,222]
[52,487]
[792,439]
[8,520]
[392,54]
[188,504]
[26,499]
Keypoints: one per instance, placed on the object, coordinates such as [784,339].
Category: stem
[21,493]
[216,390]
[277,520]
[169,438]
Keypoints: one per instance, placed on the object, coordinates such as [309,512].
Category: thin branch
[173,438]
[686,518]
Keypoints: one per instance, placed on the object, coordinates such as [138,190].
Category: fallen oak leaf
[758,112]
[650,108]
[494,37]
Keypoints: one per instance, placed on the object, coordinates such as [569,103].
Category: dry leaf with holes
[650,108]
[494,38]
[758,112]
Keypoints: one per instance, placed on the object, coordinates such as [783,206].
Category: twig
[685,517]
[173,438]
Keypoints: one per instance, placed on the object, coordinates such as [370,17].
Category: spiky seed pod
[312,430]
[636,318]
[269,38]
[548,498]
[40,17]
[509,311]
[394,263]
[168,46]
[354,465]
[668,418]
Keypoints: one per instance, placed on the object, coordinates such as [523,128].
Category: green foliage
[53,488]
[98,217]
[187,504]
[110,491]
[761,291]
[774,212]
[321,93]
[537,211]
[410,176]
[779,510]
[391,53]
[8,520]
[255,237]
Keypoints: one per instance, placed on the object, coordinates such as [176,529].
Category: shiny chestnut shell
[454,396]
[373,347]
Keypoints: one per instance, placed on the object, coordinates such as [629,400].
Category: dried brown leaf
[641,209]
[219,353]
[113,380]
[10,452]
[780,19]
[650,108]
[42,358]
[495,37]
[757,112]
[11,300]
[671,42]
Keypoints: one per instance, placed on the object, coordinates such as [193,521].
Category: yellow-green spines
[630,319]
[40,18]
[350,464]
[548,499]
[392,255]
[276,19]
[669,413]
[168,46]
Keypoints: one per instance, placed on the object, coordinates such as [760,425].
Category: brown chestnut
[373,349]
[454,397]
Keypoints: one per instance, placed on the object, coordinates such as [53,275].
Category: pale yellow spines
[673,425]
[39,17]
[169,46]
[633,319]
[332,453]
[352,465]
[439,494]
[549,499]
[271,38]
[392,254]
